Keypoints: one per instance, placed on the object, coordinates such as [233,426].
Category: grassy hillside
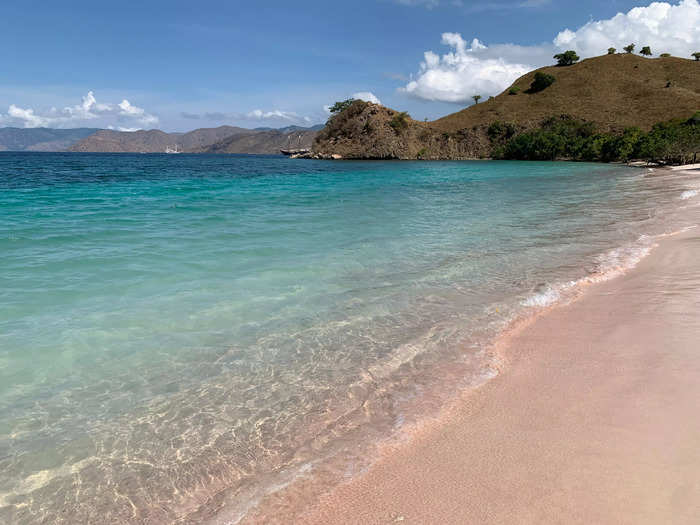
[611,93]
[614,91]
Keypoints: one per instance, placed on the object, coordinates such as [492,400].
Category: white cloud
[666,28]
[465,71]
[89,109]
[26,116]
[425,3]
[258,114]
[139,114]
[121,128]
[367,96]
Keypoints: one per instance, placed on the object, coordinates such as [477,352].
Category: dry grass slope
[612,91]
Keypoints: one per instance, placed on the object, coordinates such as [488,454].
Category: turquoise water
[180,330]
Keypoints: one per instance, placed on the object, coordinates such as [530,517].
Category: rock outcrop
[370,131]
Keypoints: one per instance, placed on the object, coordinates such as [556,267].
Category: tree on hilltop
[339,107]
[646,51]
[612,51]
[628,49]
[696,56]
[566,58]
[476,98]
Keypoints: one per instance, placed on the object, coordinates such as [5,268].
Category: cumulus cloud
[367,96]
[477,69]
[139,114]
[88,109]
[666,28]
[463,72]
[26,116]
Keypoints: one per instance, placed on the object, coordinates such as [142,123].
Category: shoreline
[576,428]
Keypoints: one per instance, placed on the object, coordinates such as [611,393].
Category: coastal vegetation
[675,141]
[629,49]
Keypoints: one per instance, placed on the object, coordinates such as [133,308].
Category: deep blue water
[173,322]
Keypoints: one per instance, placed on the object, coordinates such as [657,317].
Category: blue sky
[182,65]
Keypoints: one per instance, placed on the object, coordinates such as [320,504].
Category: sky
[177,65]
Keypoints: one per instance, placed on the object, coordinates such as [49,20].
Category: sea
[198,338]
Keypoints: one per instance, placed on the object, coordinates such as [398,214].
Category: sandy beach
[593,419]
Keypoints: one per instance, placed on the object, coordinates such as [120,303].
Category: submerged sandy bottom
[593,419]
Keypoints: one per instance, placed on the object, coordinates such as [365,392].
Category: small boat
[300,151]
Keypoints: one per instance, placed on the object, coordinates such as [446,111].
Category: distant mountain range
[41,139]
[224,139]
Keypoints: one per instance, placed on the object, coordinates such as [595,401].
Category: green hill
[608,93]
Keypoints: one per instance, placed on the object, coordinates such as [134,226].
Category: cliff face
[613,92]
[371,131]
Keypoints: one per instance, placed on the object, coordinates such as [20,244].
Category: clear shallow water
[180,333]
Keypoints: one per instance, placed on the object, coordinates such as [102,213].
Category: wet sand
[595,418]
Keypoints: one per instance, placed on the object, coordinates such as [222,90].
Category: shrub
[646,51]
[476,98]
[566,58]
[541,81]
[628,49]
[612,51]
[399,122]
[421,153]
[339,107]
[514,90]
[696,56]
[498,130]
[675,141]
[665,55]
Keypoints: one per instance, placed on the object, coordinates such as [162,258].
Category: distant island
[224,139]
[614,107]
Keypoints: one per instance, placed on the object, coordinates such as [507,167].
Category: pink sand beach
[592,419]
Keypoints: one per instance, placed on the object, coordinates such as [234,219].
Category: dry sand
[594,419]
